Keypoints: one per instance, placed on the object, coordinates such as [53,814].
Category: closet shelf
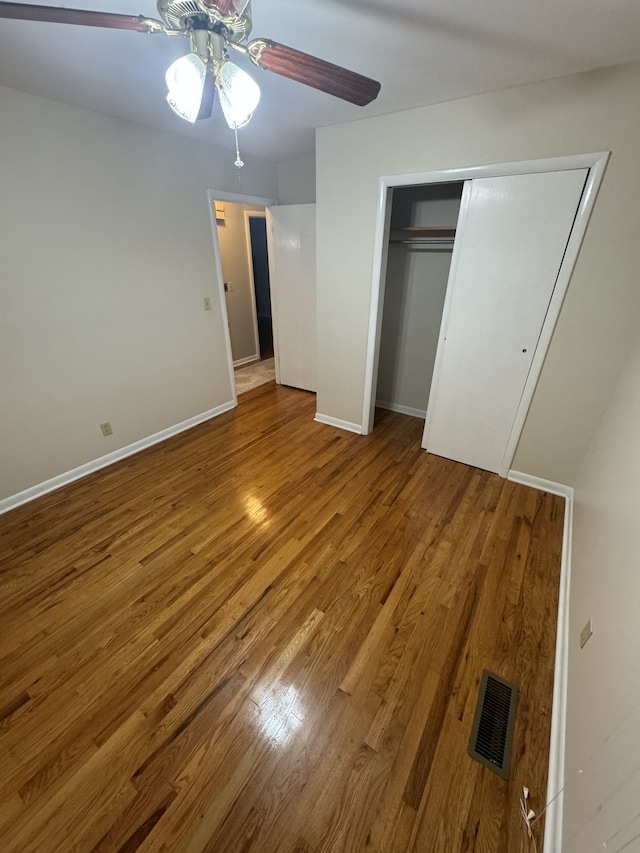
[423,234]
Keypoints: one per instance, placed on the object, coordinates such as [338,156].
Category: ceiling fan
[212,27]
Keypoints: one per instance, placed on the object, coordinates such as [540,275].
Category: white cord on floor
[529,816]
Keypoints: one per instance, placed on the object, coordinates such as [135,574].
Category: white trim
[74,474]
[496,170]
[217,267]
[337,422]
[538,483]
[248,360]
[248,215]
[403,410]
[555,778]
[237,198]
[594,162]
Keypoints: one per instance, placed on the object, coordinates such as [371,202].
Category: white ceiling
[422,51]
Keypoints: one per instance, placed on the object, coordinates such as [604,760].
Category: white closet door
[511,238]
[292,270]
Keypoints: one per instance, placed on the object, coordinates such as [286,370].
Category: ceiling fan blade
[312,71]
[56,15]
[208,96]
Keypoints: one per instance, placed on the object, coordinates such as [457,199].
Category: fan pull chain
[238,162]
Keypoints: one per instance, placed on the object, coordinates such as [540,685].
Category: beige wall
[232,237]
[601,315]
[602,774]
[106,258]
[297,181]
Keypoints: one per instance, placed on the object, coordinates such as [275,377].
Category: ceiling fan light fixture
[185,81]
[239,94]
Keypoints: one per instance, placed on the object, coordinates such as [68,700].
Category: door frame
[236,198]
[248,215]
[596,164]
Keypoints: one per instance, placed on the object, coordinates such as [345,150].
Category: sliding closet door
[510,242]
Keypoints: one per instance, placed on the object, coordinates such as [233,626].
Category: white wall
[232,237]
[297,181]
[601,314]
[602,774]
[106,256]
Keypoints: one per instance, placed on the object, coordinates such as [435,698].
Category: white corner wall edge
[336,422]
[14,501]
[555,778]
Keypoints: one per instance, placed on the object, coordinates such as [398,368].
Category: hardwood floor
[267,635]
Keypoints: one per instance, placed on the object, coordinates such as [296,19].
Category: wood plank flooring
[267,635]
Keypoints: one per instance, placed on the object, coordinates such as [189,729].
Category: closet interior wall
[415,286]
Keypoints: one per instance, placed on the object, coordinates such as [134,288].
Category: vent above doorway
[493,724]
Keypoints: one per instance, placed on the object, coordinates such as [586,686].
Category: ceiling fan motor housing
[182,14]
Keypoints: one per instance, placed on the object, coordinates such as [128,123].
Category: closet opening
[421,237]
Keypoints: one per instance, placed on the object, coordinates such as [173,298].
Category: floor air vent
[493,723]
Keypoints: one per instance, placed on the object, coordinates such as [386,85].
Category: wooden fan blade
[208,96]
[83,17]
[312,71]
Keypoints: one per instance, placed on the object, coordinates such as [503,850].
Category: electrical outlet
[230,286]
[207,304]
[106,429]
[586,632]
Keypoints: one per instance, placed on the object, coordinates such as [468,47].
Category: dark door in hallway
[259,261]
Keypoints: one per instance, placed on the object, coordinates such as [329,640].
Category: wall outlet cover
[586,632]
[106,428]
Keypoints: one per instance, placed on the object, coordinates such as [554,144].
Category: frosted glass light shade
[185,80]
[239,94]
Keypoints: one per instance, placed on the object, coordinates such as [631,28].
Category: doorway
[217,199]
[233,221]
[422,229]
[256,228]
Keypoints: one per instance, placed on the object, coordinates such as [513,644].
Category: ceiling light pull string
[238,162]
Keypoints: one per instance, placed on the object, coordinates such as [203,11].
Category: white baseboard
[555,778]
[247,360]
[336,422]
[403,410]
[54,483]
[542,485]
